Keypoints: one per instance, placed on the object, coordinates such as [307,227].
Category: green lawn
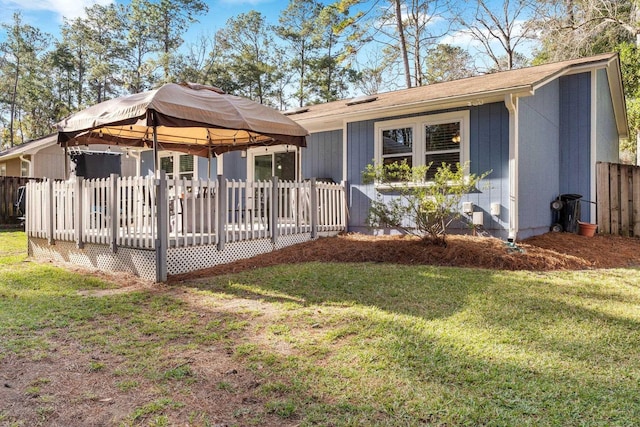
[355,344]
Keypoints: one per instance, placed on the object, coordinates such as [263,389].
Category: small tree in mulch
[417,202]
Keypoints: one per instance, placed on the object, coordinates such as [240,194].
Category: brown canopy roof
[189,118]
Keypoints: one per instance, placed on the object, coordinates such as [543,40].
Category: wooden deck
[157,214]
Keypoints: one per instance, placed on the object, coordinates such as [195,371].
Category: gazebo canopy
[189,118]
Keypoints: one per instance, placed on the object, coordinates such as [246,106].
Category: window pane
[445,136]
[166,164]
[186,163]
[24,168]
[438,159]
[397,141]
[286,166]
[392,160]
[262,167]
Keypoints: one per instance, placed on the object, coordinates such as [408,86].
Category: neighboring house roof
[470,91]
[30,147]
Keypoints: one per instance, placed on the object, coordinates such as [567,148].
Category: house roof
[468,91]
[29,147]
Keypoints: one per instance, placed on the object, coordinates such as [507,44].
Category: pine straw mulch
[551,251]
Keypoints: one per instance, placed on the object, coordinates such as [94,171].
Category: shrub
[424,208]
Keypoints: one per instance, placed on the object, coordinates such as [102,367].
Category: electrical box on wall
[495,209]
[478,218]
[467,207]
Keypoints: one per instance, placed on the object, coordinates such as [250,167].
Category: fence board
[624,200]
[8,195]
[618,199]
[635,201]
[614,197]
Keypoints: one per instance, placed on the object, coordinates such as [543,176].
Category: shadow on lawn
[426,292]
[487,347]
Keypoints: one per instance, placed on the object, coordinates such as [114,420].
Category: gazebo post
[162,238]
[156,163]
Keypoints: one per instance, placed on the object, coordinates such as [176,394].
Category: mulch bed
[551,251]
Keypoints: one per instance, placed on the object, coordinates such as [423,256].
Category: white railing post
[77,212]
[50,207]
[162,227]
[345,206]
[314,208]
[273,221]
[114,211]
[222,212]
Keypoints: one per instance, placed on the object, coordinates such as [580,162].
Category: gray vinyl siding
[323,156]
[235,166]
[204,164]
[575,137]
[539,161]
[488,151]
[607,146]
[360,152]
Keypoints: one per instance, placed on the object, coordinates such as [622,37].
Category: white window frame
[418,125]
[176,163]
[3,169]
[273,149]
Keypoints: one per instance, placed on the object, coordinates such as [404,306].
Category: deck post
[77,212]
[50,207]
[162,227]
[221,229]
[273,220]
[345,204]
[314,209]
[113,212]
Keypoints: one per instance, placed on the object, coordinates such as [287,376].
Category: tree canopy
[316,51]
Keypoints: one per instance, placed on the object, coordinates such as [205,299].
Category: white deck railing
[125,211]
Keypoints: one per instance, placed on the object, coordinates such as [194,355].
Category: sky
[48,15]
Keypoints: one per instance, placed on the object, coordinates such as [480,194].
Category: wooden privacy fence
[618,199]
[8,193]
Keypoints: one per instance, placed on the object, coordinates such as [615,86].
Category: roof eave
[331,121]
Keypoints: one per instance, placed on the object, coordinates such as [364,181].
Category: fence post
[273,220]
[222,212]
[345,205]
[314,209]
[114,211]
[162,227]
[51,203]
[77,212]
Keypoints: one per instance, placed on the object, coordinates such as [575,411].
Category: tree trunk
[403,44]
[14,96]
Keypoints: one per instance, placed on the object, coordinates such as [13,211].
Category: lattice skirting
[143,262]
[140,262]
[184,260]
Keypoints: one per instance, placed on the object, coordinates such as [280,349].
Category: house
[44,158]
[539,130]
[37,158]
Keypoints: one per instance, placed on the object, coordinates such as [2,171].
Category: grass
[353,344]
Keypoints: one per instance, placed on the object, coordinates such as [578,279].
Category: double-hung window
[430,139]
[178,165]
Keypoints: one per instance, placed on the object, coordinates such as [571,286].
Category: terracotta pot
[586,229]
